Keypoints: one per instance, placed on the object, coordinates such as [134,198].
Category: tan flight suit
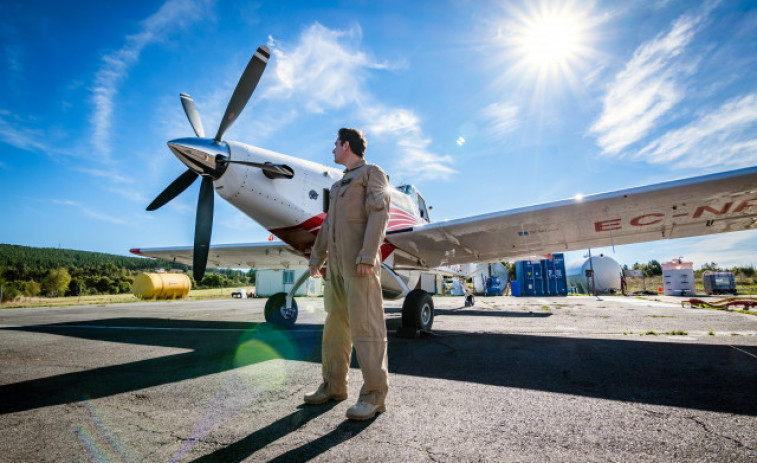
[351,234]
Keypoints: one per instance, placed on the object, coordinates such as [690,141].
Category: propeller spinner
[209,157]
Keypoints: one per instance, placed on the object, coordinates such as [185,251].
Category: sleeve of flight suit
[320,250]
[377,205]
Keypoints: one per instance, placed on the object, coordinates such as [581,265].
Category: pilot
[351,237]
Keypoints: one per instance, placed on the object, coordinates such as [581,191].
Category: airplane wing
[273,256]
[696,206]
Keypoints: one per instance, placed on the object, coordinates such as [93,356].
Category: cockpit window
[417,199]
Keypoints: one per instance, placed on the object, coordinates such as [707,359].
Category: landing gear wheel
[277,313]
[418,310]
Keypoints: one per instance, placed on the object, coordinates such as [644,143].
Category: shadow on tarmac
[698,376]
[477,313]
[244,448]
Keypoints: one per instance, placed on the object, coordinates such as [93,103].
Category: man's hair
[355,138]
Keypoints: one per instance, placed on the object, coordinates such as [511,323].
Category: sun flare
[549,40]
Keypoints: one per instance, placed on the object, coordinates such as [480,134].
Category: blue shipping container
[545,277]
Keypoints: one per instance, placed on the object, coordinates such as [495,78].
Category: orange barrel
[161,286]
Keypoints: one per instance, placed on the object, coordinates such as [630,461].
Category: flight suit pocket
[353,200]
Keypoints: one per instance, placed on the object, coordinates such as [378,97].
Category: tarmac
[557,379]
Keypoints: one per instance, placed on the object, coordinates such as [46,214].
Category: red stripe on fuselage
[301,237]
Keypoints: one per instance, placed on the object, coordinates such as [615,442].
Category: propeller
[209,158]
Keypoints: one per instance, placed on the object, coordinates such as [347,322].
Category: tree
[56,282]
[711,266]
[654,268]
[32,288]
[213,280]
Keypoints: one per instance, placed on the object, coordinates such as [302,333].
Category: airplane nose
[203,155]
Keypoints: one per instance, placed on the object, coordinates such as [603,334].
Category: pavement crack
[722,436]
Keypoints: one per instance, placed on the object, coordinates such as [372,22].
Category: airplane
[289,197]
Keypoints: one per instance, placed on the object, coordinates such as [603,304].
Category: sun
[550,41]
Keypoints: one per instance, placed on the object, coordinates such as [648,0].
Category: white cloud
[20,135]
[89,212]
[174,14]
[500,118]
[326,70]
[403,128]
[725,249]
[726,136]
[647,89]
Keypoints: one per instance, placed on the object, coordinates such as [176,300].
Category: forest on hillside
[29,271]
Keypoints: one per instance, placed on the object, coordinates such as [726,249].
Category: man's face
[340,151]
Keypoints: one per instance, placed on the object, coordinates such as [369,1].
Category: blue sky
[483,105]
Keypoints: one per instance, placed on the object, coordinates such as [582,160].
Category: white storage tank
[606,275]
[678,278]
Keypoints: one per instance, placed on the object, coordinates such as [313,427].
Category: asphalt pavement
[510,379]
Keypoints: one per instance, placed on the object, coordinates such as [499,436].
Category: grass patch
[677,333]
[103,299]
[661,316]
[711,333]
[648,333]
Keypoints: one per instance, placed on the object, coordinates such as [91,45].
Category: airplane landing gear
[281,308]
[277,313]
[418,310]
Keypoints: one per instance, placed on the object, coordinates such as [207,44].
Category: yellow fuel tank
[161,286]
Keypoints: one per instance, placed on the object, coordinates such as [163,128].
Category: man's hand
[363,270]
[315,272]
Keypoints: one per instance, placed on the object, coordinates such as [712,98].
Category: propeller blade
[203,228]
[173,190]
[271,170]
[191,111]
[245,87]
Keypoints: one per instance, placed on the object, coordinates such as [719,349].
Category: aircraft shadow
[214,348]
[698,376]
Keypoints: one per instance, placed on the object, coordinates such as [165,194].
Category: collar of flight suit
[359,164]
[347,178]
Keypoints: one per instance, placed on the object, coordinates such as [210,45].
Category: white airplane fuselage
[293,209]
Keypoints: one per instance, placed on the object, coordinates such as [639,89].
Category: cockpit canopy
[416,197]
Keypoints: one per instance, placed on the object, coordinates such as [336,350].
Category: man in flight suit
[351,238]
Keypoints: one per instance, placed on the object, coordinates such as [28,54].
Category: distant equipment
[480,274]
[492,286]
[161,286]
[544,277]
[719,283]
[678,278]
[598,273]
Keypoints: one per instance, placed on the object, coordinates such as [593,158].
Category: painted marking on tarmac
[744,352]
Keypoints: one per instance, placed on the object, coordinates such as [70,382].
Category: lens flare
[99,440]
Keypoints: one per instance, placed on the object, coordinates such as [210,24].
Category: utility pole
[593,281]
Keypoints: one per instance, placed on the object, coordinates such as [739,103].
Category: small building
[678,278]
[270,282]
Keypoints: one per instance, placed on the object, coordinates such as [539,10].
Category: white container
[270,282]
[678,278]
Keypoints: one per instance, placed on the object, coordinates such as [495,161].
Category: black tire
[276,313]
[418,310]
